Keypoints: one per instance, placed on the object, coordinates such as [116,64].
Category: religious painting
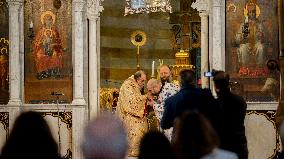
[4,52]
[48,51]
[252,48]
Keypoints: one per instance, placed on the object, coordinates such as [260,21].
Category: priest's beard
[142,90]
[164,80]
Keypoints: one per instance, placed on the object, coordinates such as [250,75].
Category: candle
[31,25]
[153,66]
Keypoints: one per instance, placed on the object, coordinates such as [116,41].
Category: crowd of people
[217,130]
[193,124]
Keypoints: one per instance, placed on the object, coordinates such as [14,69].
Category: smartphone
[208,74]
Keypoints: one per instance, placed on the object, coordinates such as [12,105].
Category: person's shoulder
[220,154]
[226,154]
[167,84]
[205,91]
[281,155]
[59,157]
[237,97]
[171,86]
[171,98]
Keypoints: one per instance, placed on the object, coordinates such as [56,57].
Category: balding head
[105,138]
[154,86]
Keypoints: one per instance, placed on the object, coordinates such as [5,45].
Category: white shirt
[220,154]
[167,91]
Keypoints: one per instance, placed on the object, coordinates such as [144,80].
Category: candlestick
[31,25]
[153,68]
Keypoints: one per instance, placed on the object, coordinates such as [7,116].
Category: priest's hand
[150,99]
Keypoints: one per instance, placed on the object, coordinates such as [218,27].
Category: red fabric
[255,72]
[44,62]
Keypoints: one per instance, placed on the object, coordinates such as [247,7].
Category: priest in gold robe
[131,108]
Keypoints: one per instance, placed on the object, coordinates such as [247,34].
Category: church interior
[67,59]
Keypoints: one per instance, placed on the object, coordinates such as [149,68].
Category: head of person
[194,136]
[48,20]
[140,78]
[105,138]
[221,81]
[30,138]
[165,74]
[154,86]
[251,8]
[155,144]
[187,77]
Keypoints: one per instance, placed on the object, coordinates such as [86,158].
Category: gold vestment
[131,109]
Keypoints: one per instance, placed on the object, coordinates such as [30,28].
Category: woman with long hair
[30,138]
[196,139]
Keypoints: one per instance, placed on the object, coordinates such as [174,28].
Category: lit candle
[153,66]
[31,25]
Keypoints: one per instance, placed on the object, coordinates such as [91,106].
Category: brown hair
[221,80]
[187,77]
[194,137]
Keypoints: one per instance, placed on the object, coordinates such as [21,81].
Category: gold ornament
[138,38]
[256,7]
[45,14]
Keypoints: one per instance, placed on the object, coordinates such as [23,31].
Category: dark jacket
[281,155]
[232,134]
[190,98]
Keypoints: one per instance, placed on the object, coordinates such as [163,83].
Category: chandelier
[147,6]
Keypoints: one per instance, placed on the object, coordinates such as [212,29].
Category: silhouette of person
[196,139]
[30,138]
[233,111]
[154,145]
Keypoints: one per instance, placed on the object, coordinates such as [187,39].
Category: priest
[131,108]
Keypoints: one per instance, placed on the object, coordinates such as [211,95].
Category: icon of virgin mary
[47,48]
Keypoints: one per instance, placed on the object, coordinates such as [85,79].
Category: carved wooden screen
[251,45]
[48,51]
[4,52]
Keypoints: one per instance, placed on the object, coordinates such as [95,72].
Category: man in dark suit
[190,98]
[233,111]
